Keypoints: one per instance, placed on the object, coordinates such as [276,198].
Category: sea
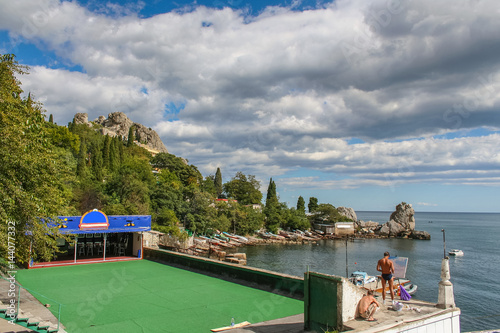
[474,276]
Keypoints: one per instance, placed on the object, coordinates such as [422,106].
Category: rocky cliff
[118,124]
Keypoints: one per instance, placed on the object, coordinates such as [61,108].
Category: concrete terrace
[151,297]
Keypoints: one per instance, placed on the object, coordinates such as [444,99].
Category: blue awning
[97,222]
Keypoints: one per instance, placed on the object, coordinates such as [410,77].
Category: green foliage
[327,213]
[187,174]
[131,136]
[295,219]
[62,137]
[244,189]
[301,205]
[218,183]
[48,170]
[208,185]
[31,174]
[313,204]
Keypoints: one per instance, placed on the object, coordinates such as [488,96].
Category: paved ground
[145,296]
[30,307]
[292,324]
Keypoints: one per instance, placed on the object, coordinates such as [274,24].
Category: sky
[362,104]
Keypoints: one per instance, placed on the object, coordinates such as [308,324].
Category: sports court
[146,296]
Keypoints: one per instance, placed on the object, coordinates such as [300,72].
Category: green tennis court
[145,296]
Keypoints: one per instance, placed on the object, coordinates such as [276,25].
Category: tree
[329,214]
[97,163]
[81,167]
[273,209]
[114,158]
[272,197]
[301,205]
[131,136]
[244,189]
[218,182]
[51,119]
[313,204]
[31,182]
[106,151]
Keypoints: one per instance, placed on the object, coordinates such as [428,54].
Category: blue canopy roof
[96,221]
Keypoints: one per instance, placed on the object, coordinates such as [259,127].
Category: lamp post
[444,244]
[346,264]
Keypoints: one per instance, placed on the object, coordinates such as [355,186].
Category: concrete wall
[330,301]
[137,243]
[174,242]
[344,228]
[351,295]
[446,322]
[152,238]
[291,286]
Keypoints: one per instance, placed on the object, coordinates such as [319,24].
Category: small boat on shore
[361,278]
[456,252]
[372,283]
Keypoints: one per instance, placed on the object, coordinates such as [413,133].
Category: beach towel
[404,294]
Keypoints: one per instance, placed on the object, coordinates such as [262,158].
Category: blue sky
[361,104]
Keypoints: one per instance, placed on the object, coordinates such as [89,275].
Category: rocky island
[401,224]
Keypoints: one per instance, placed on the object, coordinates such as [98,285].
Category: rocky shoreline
[223,246]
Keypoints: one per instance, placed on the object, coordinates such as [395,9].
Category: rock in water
[402,224]
[420,235]
[404,215]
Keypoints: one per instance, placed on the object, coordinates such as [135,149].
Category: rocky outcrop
[82,118]
[404,215]
[424,235]
[118,124]
[402,224]
[348,212]
[391,229]
[368,224]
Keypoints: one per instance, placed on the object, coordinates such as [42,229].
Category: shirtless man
[367,306]
[386,266]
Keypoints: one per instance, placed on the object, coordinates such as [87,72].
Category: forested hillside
[48,170]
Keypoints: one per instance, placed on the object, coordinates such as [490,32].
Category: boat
[361,278]
[376,286]
[456,252]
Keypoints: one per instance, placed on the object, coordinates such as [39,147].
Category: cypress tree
[51,119]
[218,182]
[131,137]
[105,152]
[301,205]
[113,154]
[97,161]
[81,166]
[272,198]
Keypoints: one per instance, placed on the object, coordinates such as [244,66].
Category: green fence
[18,305]
[321,306]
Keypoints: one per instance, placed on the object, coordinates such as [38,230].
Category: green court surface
[145,296]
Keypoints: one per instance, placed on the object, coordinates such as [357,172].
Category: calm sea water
[474,276]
